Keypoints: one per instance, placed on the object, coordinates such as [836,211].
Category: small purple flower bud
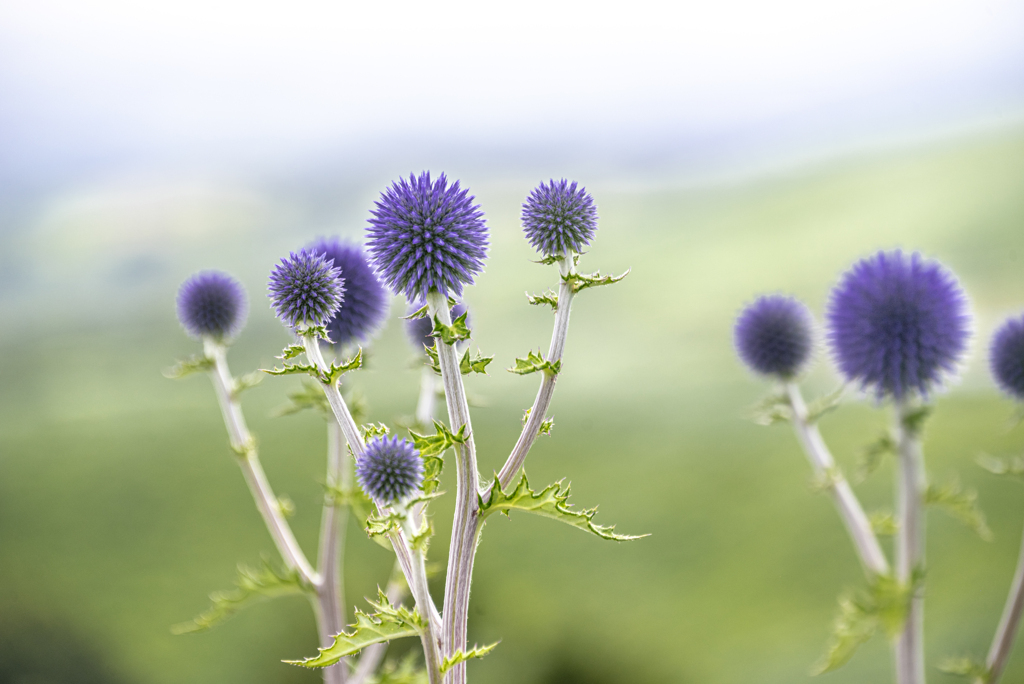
[390,470]
[898,323]
[366,302]
[419,329]
[774,335]
[427,236]
[212,304]
[306,289]
[1006,356]
[558,217]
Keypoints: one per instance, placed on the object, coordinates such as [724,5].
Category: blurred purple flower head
[559,217]
[774,335]
[1006,357]
[306,289]
[212,304]
[366,302]
[390,470]
[419,329]
[426,236]
[898,323]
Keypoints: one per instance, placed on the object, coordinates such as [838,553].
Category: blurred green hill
[121,508]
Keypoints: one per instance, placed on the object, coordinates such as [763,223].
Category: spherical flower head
[419,329]
[212,304]
[390,470]
[774,336]
[1006,357]
[427,236]
[306,289]
[558,217]
[898,323]
[366,302]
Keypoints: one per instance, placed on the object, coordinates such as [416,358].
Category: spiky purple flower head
[559,217]
[898,323]
[212,304]
[774,335]
[306,289]
[366,302]
[427,236]
[419,329]
[1006,357]
[390,470]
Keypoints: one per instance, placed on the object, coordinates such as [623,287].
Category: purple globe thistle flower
[558,217]
[390,470]
[898,323]
[366,302]
[419,329]
[212,304]
[1006,357]
[306,289]
[427,236]
[774,335]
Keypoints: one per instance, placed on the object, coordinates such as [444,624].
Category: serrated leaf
[450,334]
[372,430]
[387,622]
[294,369]
[405,671]
[549,298]
[884,603]
[463,656]
[825,405]
[421,539]
[775,408]
[253,585]
[884,523]
[579,281]
[418,313]
[197,363]
[961,504]
[432,359]
[1012,466]
[550,502]
[310,396]
[914,420]
[292,351]
[967,667]
[318,331]
[432,448]
[546,426]
[382,525]
[285,506]
[873,456]
[554,259]
[478,364]
[827,478]
[247,381]
[354,498]
[336,370]
[534,362]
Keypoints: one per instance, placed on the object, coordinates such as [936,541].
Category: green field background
[121,507]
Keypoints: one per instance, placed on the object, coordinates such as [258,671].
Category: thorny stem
[332,547]
[869,551]
[911,483]
[1009,623]
[464,529]
[413,570]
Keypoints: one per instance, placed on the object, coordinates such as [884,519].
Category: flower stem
[464,528]
[332,546]
[911,483]
[1009,624]
[865,543]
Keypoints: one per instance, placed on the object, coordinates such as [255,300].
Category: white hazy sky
[93,79]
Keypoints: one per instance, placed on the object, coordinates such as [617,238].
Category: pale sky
[82,79]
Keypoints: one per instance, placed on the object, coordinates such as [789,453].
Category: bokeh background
[734,148]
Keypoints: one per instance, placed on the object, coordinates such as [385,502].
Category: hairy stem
[538,412]
[425,406]
[911,483]
[865,543]
[331,597]
[245,446]
[413,570]
[1009,624]
[464,528]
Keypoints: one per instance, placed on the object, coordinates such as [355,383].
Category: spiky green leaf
[372,430]
[534,362]
[549,298]
[197,363]
[432,448]
[418,313]
[310,396]
[775,408]
[579,281]
[825,405]
[1012,466]
[294,369]
[292,351]
[970,668]
[334,373]
[959,503]
[387,622]
[550,502]
[247,381]
[546,426]
[884,523]
[450,334]
[873,455]
[404,671]
[477,364]
[914,420]
[463,656]
[253,585]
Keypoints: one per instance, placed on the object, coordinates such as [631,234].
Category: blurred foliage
[121,506]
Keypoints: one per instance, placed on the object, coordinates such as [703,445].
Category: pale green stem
[1009,624]
[911,484]
[332,546]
